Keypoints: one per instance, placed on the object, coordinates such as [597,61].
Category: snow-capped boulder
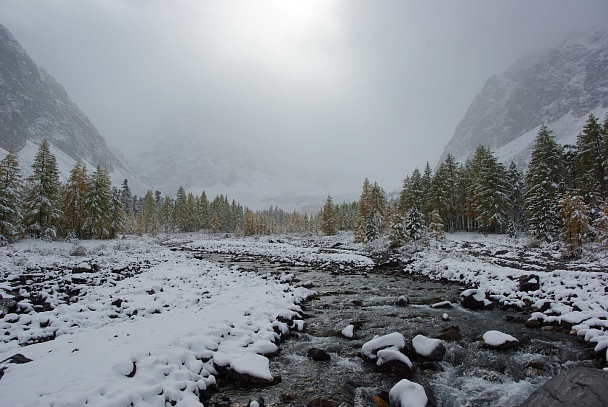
[499,340]
[442,304]
[474,299]
[580,386]
[348,332]
[395,362]
[253,369]
[428,348]
[407,394]
[392,341]
[529,282]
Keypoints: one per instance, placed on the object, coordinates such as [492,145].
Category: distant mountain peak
[557,87]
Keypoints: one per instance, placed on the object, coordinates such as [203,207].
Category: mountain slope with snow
[33,107]
[560,88]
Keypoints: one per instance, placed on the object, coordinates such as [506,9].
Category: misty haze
[303,203]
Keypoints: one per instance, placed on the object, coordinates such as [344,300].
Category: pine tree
[490,194]
[74,201]
[98,204]
[117,214]
[591,159]
[11,198]
[126,197]
[149,218]
[181,210]
[544,187]
[130,223]
[42,203]
[215,225]
[397,235]
[414,226]
[166,215]
[600,226]
[249,227]
[516,188]
[575,215]
[444,192]
[328,217]
[365,211]
[436,227]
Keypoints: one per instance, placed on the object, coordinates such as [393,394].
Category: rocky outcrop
[580,386]
[568,81]
[34,106]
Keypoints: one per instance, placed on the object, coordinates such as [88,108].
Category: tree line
[561,197]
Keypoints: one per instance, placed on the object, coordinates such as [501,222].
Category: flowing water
[469,375]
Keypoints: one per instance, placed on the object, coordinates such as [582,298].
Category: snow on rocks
[395,362]
[571,296]
[428,348]
[158,336]
[499,340]
[285,252]
[407,394]
[348,332]
[474,299]
[393,341]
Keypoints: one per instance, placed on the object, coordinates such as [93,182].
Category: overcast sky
[374,87]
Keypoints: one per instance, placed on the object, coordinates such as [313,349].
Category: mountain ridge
[567,82]
[34,106]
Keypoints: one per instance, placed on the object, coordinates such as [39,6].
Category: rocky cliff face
[558,87]
[33,106]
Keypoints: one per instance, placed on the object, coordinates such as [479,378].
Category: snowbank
[152,337]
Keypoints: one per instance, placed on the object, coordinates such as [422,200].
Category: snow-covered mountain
[560,88]
[33,107]
[189,153]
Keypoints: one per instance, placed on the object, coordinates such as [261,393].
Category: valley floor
[141,321]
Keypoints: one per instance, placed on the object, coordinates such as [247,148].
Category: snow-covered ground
[141,340]
[570,292]
[136,322]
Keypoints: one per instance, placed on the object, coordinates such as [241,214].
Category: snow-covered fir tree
[414,226]
[11,198]
[117,214]
[544,187]
[397,235]
[436,227]
[98,204]
[42,203]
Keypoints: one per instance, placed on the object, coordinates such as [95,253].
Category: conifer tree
[42,203]
[125,196]
[436,227]
[544,187]
[365,211]
[591,161]
[215,225]
[181,210]
[249,226]
[328,217]
[117,214]
[397,235]
[11,198]
[516,188]
[575,215]
[149,218]
[98,204]
[490,193]
[74,201]
[600,227]
[444,192]
[166,215]
[414,226]
[130,222]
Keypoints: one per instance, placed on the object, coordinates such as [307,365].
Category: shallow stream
[469,375]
